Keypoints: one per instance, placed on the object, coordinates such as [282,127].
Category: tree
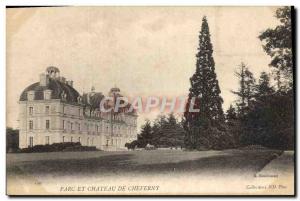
[173,133]
[264,88]
[241,93]
[205,91]
[246,89]
[158,124]
[231,114]
[165,132]
[268,116]
[270,122]
[145,135]
[277,43]
[233,125]
[249,85]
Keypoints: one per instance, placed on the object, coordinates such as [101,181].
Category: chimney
[63,80]
[44,79]
[70,82]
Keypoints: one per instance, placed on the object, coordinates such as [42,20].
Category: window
[79,127]
[30,110]
[30,124]
[63,139]
[47,108]
[92,141]
[63,124]
[79,139]
[47,94]
[47,140]
[71,139]
[47,124]
[30,95]
[30,141]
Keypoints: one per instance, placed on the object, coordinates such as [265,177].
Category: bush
[12,140]
[80,148]
[65,146]
[132,145]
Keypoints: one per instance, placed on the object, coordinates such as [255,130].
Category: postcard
[151,101]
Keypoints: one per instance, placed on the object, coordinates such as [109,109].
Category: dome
[52,69]
[57,88]
[115,89]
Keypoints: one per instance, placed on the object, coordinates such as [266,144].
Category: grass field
[139,162]
[171,171]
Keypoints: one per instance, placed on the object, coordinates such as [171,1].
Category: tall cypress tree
[204,89]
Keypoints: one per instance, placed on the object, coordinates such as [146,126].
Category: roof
[92,100]
[57,88]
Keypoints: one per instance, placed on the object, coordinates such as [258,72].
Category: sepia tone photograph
[150,101]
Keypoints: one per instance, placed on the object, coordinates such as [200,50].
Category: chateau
[52,111]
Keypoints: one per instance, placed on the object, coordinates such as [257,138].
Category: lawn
[97,164]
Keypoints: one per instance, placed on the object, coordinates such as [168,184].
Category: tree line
[263,113]
[165,131]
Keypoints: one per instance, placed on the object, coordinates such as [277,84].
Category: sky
[145,51]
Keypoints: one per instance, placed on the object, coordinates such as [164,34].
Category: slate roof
[57,88]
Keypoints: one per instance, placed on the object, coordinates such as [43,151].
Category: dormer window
[30,95]
[47,94]
[63,96]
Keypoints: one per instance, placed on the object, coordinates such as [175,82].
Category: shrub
[65,146]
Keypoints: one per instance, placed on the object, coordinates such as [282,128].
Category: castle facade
[52,111]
